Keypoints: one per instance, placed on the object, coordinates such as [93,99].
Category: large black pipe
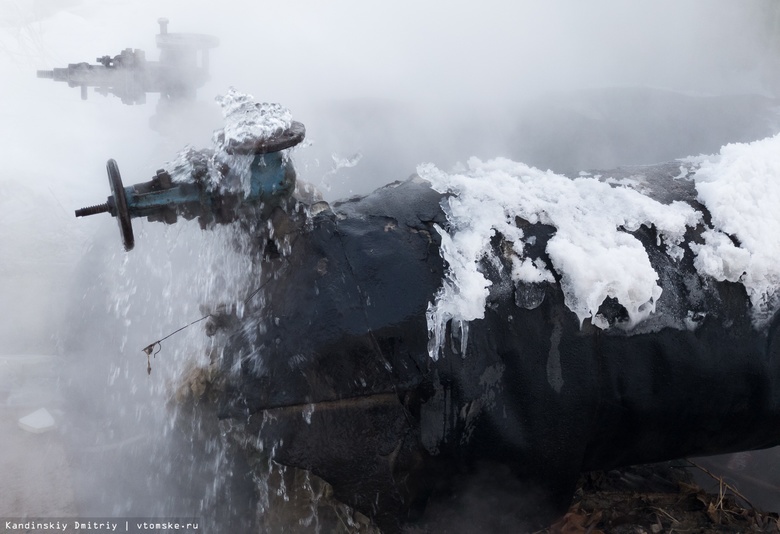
[342,329]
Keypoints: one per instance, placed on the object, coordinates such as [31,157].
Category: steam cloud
[565,85]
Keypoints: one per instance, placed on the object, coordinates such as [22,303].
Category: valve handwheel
[116,205]
[120,205]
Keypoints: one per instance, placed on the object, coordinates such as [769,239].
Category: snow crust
[592,253]
[591,250]
[741,188]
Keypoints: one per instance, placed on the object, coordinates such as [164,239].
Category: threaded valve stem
[93,210]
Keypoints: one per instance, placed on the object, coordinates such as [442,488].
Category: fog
[381,88]
[424,81]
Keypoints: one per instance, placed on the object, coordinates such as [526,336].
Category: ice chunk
[37,422]
[528,270]
[592,250]
[720,258]
[247,120]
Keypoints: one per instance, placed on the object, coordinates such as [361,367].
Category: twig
[667,514]
[723,482]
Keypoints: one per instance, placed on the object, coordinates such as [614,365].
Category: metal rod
[93,210]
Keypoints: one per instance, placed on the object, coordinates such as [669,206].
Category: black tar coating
[343,327]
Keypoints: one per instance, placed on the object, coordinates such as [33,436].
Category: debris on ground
[658,498]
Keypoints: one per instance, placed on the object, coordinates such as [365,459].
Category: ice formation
[246,121]
[594,256]
[592,250]
[741,188]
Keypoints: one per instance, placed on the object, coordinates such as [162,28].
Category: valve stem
[93,210]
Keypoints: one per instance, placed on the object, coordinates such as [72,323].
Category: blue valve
[271,181]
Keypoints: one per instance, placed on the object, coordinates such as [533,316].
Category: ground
[659,498]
